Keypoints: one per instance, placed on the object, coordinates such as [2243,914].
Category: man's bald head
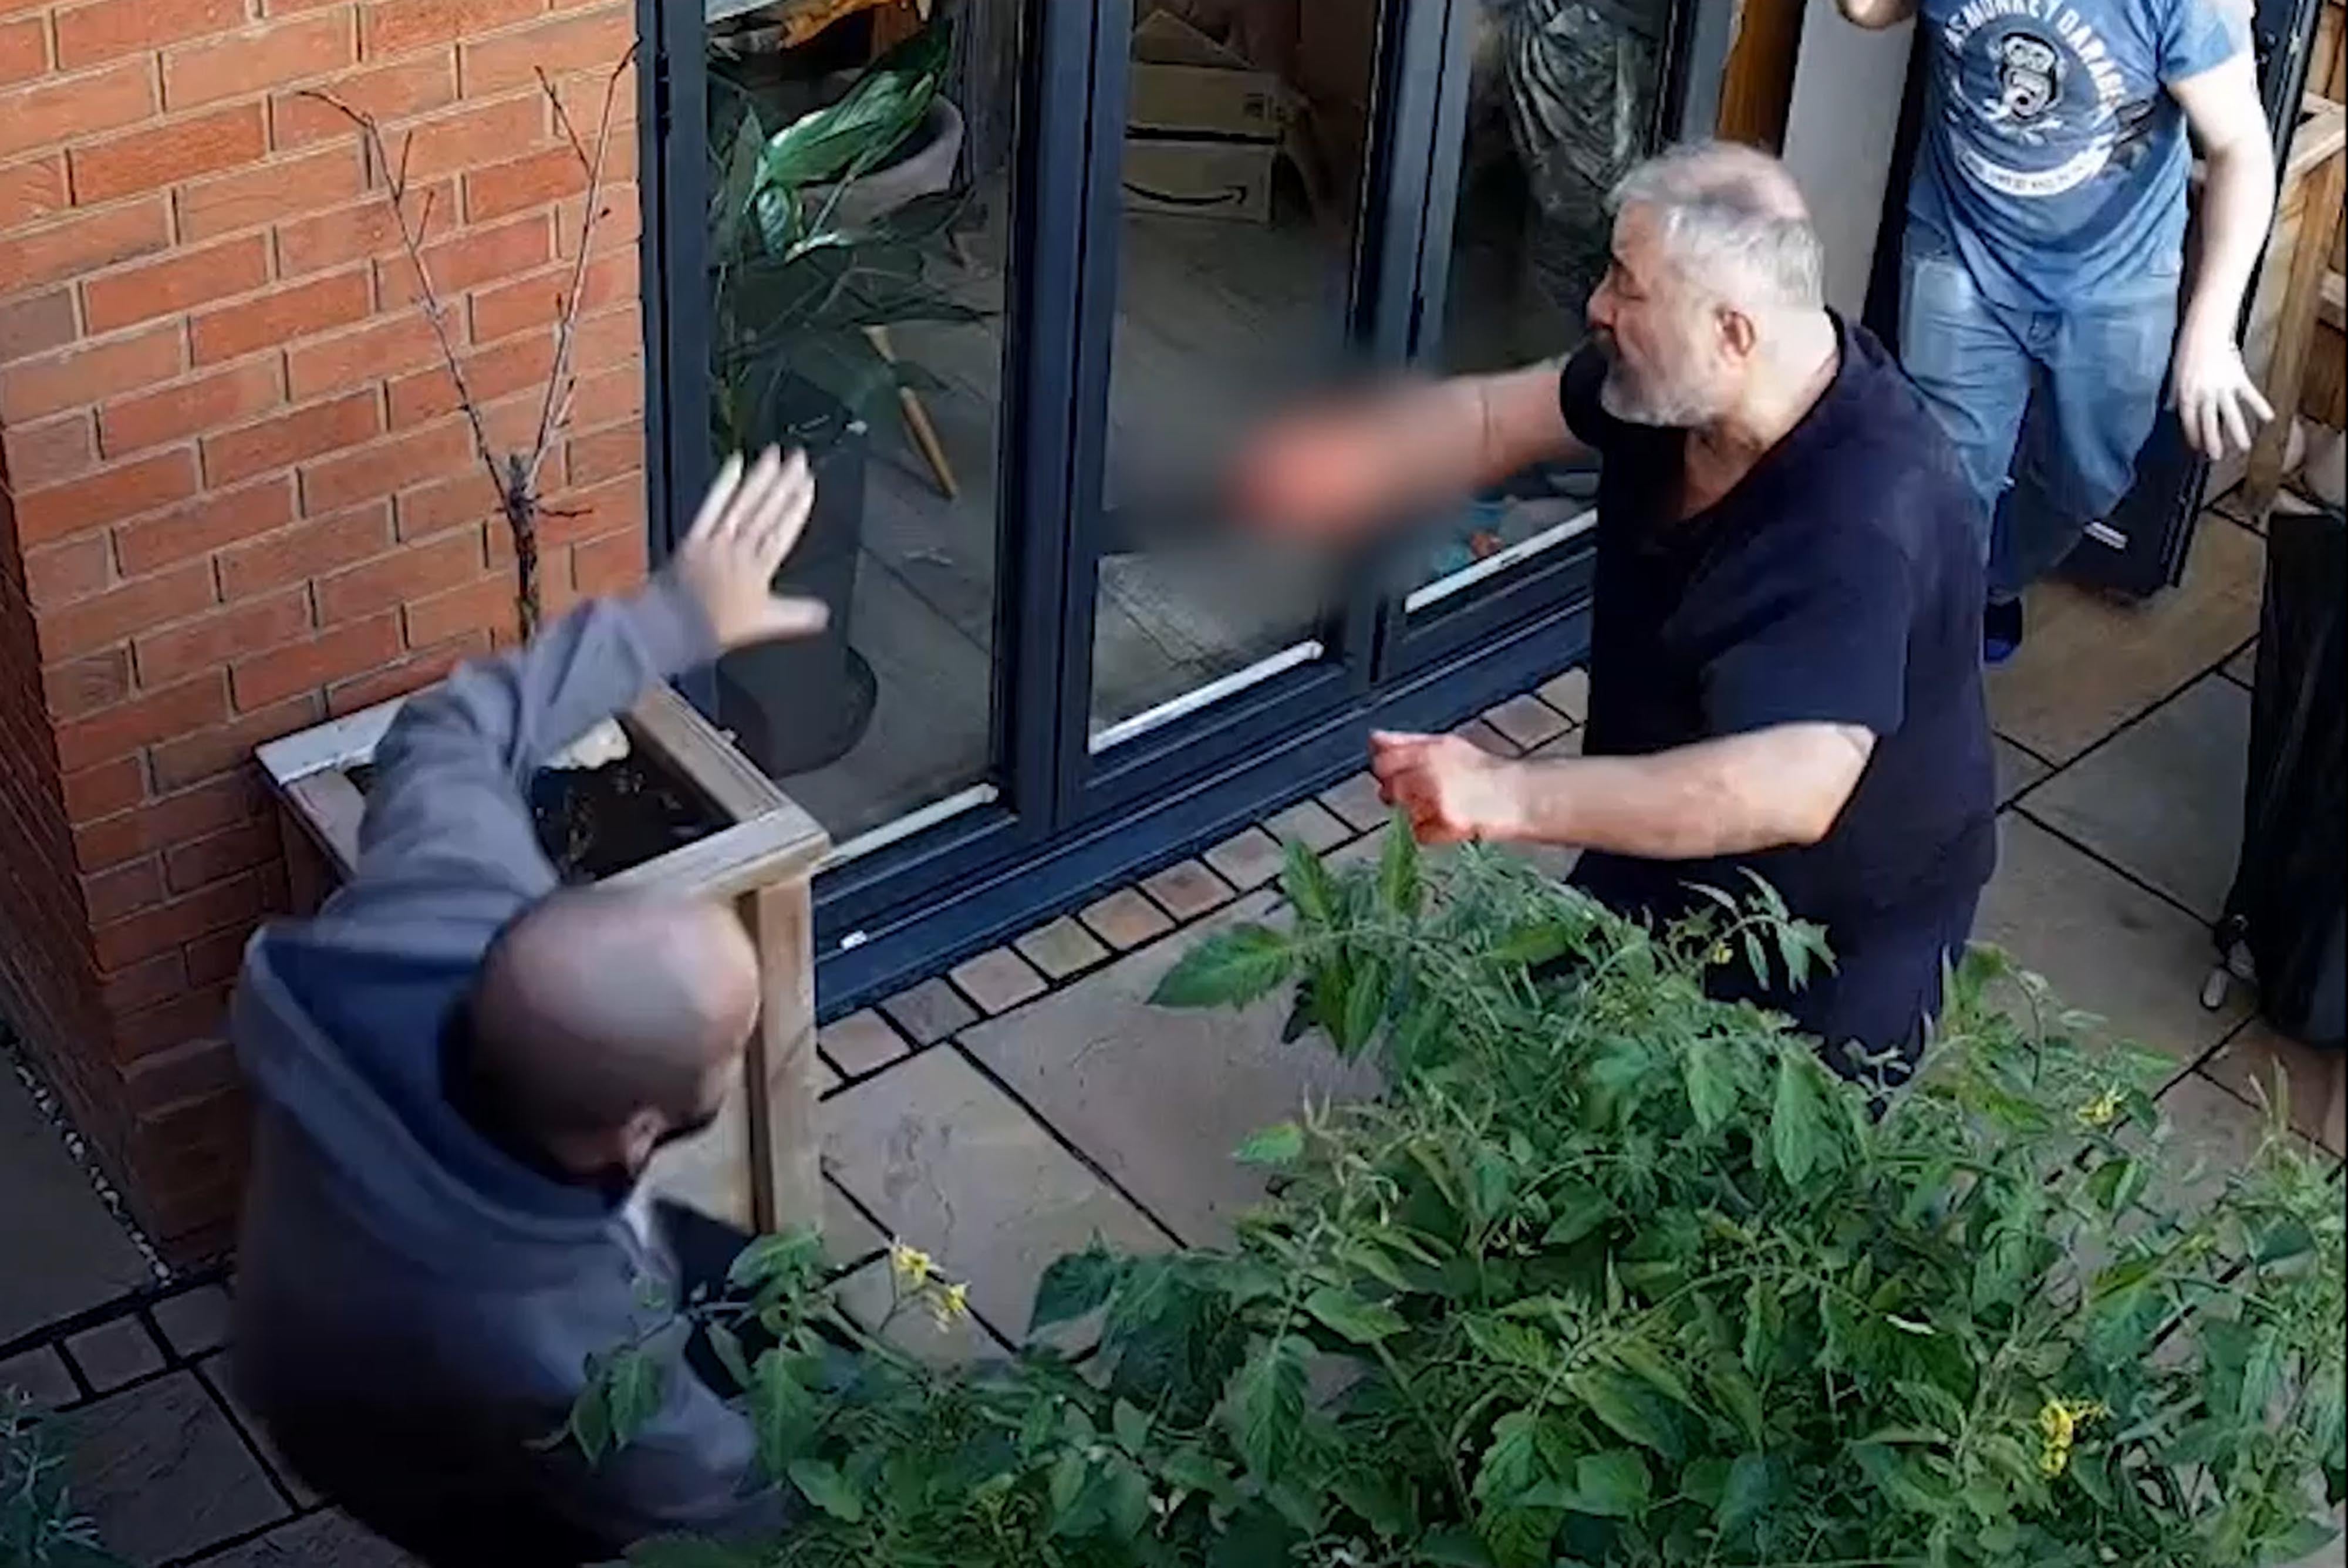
[1732,220]
[599,1012]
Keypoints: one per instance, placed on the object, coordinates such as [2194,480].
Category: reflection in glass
[860,155]
[1247,122]
[1562,101]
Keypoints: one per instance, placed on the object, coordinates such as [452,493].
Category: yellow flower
[947,1304]
[2059,1422]
[1720,954]
[2100,1111]
[910,1265]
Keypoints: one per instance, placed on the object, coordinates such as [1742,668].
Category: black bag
[2286,920]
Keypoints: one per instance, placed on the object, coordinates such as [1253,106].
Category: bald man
[460,1072]
[1783,660]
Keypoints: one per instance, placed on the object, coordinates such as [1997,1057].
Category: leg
[2105,370]
[1969,363]
[1874,1013]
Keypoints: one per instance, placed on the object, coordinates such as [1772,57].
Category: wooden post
[2294,330]
[784,1143]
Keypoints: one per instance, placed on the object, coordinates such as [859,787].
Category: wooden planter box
[756,1165]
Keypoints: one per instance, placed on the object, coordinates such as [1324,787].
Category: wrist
[1511,811]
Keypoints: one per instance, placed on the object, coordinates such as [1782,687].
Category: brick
[73,247]
[115,1353]
[998,980]
[66,571]
[395,26]
[1247,860]
[484,606]
[411,674]
[157,716]
[383,347]
[517,365]
[606,454]
[1060,949]
[124,942]
[517,184]
[32,191]
[1187,891]
[218,856]
[460,499]
[604,396]
[66,108]
[1125,919]
[211,520]
[210,753]
[92,373]
[257,59]
[158,979]
[176,283]
[123,891]
[337,654]
[215,959]
[537,301]
[175,818]
[620,226]
[189,408]
[1526,722]
[280,315]
[407,574]
[353,233]
[181,148]
[859,1043]
[199,1320]
[310,549]
[433,451]
[1355,802]
[928,1011]
[116,785]
[582,96]
[270,192]
[110,29]
[609,564]
[47,453]
[595,42]
[288,439]
[35,323]
[1306,823]
[84,685]
[212,641]
[24,49]
[469,259]
[468,137]
[108,496]
[105,619]
[389,93]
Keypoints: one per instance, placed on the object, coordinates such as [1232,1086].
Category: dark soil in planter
[597,822]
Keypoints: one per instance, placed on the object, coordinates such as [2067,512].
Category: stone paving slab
[1159,1098]
[2164,797]
[2017,770]
[161,1473]
[39,1375]
[2104,944]
[2256,1059]
[65,1252]
[948,1161]
[329,1539]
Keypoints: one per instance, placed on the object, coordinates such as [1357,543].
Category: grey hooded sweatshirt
[415,1306]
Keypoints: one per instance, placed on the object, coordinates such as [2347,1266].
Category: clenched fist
[1453,791]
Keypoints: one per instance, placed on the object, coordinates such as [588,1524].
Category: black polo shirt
[1837,581]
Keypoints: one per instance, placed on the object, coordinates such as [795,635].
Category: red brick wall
[235,498]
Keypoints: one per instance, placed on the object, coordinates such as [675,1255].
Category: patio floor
[1029,1100]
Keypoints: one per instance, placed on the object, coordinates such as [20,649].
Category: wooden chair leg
[917,420]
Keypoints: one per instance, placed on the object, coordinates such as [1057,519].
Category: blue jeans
[2047,408]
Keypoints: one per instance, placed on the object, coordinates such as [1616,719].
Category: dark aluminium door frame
[1068,824]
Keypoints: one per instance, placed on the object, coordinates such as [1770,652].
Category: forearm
[1692,802]
[1451,439]
[2237,198]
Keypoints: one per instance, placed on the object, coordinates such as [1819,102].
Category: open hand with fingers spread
[2217,402]
[743,534]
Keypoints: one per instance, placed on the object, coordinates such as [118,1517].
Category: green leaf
[1307,884]
[1799,1132]
[726,1345]
[1711,1082]
[1532,946]
[1629,1409]
[1511,1466]
[1454,1549]
[1280,1144]
[1075,1285]
[591,1420]
[1362,1322]
[823,1485]
[1400,890]
[792,1256]
[1229,969]
[1131,1427]
[782,1412]
[1576,1208]
[1068,1482]
[1752,1485]
[1612,1485]
[1268,1404]
[686,1552]
[635,1387]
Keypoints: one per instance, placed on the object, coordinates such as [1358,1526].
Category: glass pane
[861,164]
[1243,168]
[1562,100]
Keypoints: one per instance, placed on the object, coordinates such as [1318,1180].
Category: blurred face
[1668,359]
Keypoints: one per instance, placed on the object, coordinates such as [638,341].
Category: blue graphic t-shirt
[2054,160]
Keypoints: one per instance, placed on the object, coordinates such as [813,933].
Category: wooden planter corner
[756,1165]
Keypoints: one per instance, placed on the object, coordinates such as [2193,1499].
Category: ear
[1738,334]
[640,1135]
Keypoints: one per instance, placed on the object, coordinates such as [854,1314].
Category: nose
[1598,315]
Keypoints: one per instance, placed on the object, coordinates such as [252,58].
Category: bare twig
[514,475]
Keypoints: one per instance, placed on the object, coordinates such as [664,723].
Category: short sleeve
[1578,386]
[1814,634]
[2198,35]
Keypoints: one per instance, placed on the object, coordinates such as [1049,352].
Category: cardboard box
[1226,180]
[1186,84]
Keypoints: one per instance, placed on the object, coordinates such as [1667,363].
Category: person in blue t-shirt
[2045,243]
[1785,661]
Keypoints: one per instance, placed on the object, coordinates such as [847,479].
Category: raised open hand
[739,540]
